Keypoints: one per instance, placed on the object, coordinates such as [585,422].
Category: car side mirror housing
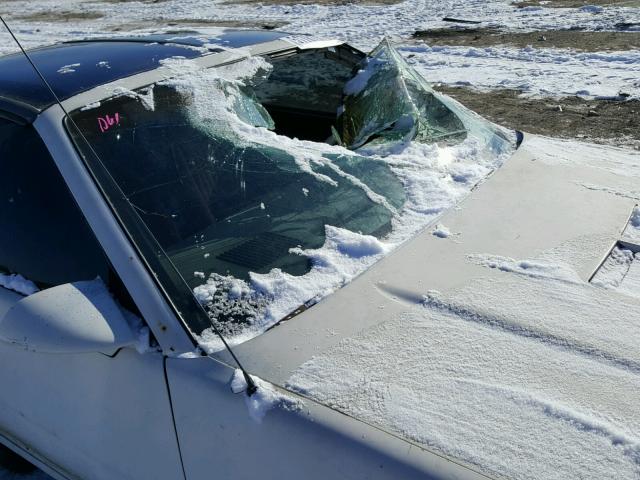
[80,317]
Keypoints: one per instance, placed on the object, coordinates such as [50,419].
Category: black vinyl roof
[74,67]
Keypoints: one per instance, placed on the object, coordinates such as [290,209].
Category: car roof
[77,66]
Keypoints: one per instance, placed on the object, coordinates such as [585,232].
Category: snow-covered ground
[361,24]
[17,283]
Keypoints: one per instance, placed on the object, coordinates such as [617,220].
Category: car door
[85,415]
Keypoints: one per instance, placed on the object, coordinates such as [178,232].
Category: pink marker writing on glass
[108,121]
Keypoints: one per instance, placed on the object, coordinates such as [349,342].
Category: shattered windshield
[259,224]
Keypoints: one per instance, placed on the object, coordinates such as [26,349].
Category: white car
[255,256]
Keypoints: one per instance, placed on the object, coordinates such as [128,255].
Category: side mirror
[78,317]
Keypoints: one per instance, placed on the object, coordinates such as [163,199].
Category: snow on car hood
[491,344]
[497,380]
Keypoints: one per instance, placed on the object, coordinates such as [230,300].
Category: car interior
[303,93]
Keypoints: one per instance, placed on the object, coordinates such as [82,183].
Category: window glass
[44,235]
[388,101]
[219,203]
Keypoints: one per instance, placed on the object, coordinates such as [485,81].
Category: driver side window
[43,235]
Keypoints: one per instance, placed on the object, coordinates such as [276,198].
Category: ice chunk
[265,398]
[71,68]
[18,283]
[233,307]
[91,106]
[632,230]
[441,231]
[204,293]
[140,330]
[145,96]
[354,245]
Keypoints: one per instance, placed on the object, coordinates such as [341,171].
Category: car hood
[496,339]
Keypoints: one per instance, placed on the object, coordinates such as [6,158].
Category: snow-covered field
[537,72]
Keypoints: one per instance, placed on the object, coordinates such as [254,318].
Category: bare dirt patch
[574,39]
[59,16]
[600,121]
[185,24]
